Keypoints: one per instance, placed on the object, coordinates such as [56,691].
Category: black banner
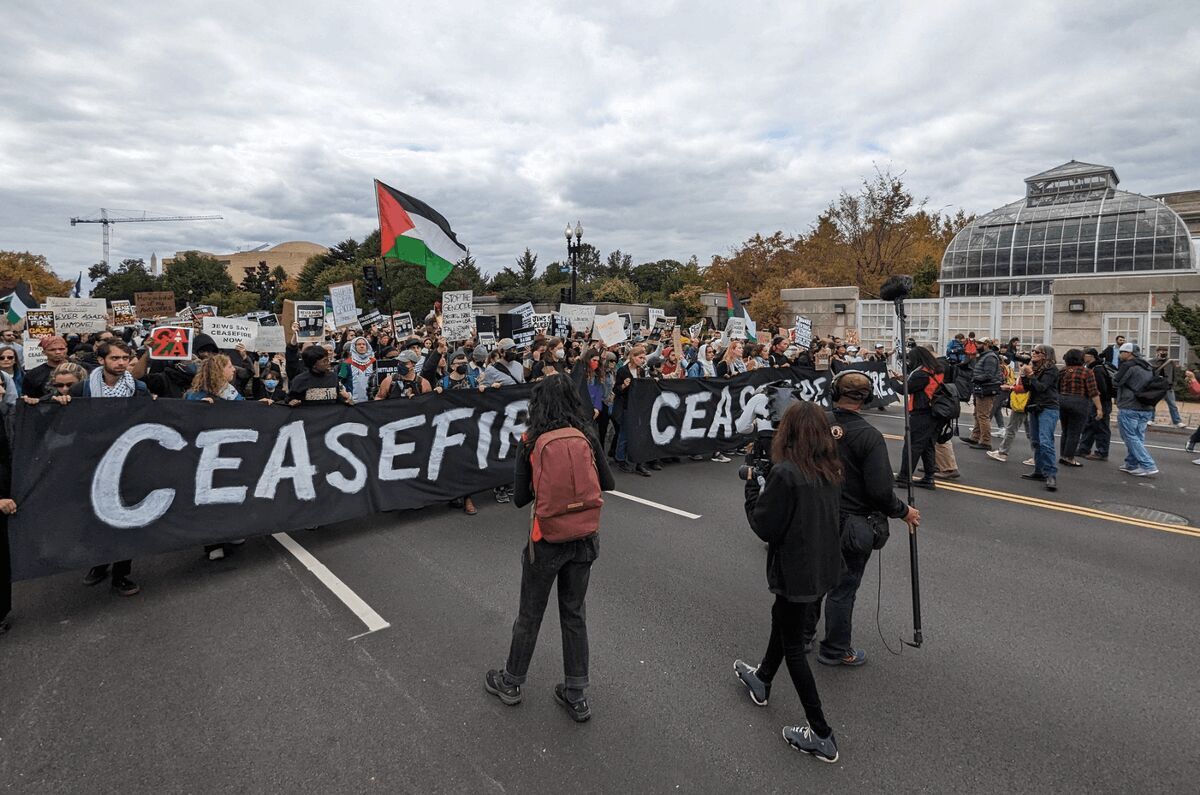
[108,479]
[698,416]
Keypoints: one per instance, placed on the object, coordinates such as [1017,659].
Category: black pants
[923,429]
[839,609]
[1195,438]
[601,423]
[1074,411]
[571,565]
[5,570]
[1097,433]
[120,569]
[787,643]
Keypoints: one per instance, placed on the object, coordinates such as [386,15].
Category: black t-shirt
[312,389]
[36,379]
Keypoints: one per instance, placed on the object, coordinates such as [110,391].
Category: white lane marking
[1114,440]
[364,611]
[657,505]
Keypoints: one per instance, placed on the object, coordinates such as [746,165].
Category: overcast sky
[668,128]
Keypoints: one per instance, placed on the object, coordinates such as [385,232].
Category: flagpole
[1149,320]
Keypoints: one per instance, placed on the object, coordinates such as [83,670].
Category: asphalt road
[1060,654]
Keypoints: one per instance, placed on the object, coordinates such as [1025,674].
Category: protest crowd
[1008,387]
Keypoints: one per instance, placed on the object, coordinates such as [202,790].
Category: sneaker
[721,458]
[578,710]
[625,466]
[1144,473]
[1096,457]
[493,682]
[853,658]
[1190,447]
[126,587]
[802,738]
[237,542]
[216,554]
[1127,468]
[997,455]
[654,465]
[640,469]
[949,474]
[95,575]
[1030,462]
[1196,462]
[760,691]
[696,457]
[502,495]
[1179,424]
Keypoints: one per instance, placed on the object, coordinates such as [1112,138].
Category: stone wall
[819,305]
[1103,295]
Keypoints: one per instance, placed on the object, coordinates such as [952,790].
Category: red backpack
[566,488]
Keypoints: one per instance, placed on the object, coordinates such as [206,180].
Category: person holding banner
[317,385]
[731,363]
[358,370]
[633,368]
[55,348]
[404,383]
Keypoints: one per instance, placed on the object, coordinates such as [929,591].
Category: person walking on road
[1132,414]
[795,509]
[1079,402]
[1097,433]
[925,378]
[986,379]
[559,460]
[1040,379]
[1168,368]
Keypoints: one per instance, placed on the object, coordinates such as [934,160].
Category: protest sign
[653,315]
[695,330]
[542,322]
[523,337]
[580,316]
[78,315]
[309,317]
[662,327]
[268,319]
[627,325]
[34,355]
[609,329]
[526,313]
[485,324]
[341,304]
[559,326]
[155,304]
[201,311]
[170,342]
[404,324]
[123,314]
[228,333]
[458,319]
[269,339]
[146,469]
[487,340]
[370,318]
[803,331]
[39,323]
[735,328]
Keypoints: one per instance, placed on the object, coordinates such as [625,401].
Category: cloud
[668,128]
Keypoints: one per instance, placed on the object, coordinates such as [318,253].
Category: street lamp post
[573,251]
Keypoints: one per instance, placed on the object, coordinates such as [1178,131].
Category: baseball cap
[853,349]
[1129,347]
[879,346]
[506,343]
[409,357]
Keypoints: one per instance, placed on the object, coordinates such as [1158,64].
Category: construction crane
[106,222]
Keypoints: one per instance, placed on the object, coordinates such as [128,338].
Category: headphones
[835,386]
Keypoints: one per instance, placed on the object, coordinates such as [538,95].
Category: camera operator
[867,501]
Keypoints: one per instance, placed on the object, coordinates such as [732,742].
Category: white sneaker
[1029,462]
[1143,473]
[1180,425]
[1127,468]
[217,554]
[721,458]
[1197,462]
[996,454]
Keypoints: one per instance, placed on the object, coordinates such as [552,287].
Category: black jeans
[120,570]
[923,428]
[601,422]
[5,570]
[839,608]
[1098,434]
[571,565]
[1075,411]
[787,643]
[1195,437]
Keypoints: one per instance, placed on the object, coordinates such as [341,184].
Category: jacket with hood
[1131,378]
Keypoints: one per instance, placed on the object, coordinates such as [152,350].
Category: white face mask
[560,354]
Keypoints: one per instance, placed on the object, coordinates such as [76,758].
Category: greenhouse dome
[1072,222]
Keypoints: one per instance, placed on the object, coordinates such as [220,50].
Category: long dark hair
[923,357]
[556,404]
[805,439]
[585,365]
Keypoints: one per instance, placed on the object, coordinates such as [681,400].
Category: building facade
[1073,222]
[291,256]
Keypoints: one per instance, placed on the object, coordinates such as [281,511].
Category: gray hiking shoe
[802,738]
[760,691]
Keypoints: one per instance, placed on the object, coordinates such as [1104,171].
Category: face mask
[262,361]
[425,350]
[461,369]
[271,384]
[560,354]
[402,369]
[594,364]
[510,356]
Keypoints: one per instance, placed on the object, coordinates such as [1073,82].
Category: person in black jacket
[7,507]
[924,378]
[554,404]
[795,509]
[1040,379]
[634,367]
[867,502]
[1098,431]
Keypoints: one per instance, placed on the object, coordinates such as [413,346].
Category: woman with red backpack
[925,378]
[561,469]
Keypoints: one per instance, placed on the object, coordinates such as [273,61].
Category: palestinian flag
[12,308]
[412,231]
[732,304]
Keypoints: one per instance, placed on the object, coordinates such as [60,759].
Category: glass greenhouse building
[1072,222]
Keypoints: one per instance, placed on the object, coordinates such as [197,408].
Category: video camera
[764,410]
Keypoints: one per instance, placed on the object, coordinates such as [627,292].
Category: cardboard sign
[487,340]
[39,323]
[309,317]
[404,324]
[79,315]
[229,333]
[268,319]
[803,331]
[559,326]
[525,312]
[662,328]
[580,316]
[653,315]
[370,319]
[170,342]
[341,303]
[523,337]
[34,355]
[544,323]
[695,330]
[155,304]
[270,339]
[123,314]
[609,329]
[458,317]
[735,328]
[821,359]
[200,312]
[627,325]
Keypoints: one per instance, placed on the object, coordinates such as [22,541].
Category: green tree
[520,283]
[234,302]
[130,277]
[348,251]
[589,267]
[614,289]
[557,273]
[1186,321]
[925,279]
[466,276]
[619,265]
[342,272]
[193,275]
